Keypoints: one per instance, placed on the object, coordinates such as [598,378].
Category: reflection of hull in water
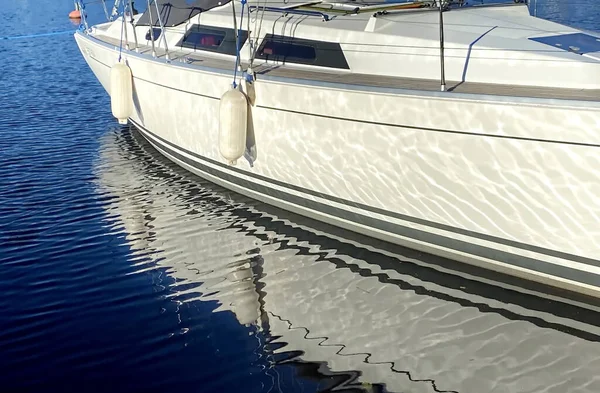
[392,322]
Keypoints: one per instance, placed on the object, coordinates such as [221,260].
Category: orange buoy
[75,14]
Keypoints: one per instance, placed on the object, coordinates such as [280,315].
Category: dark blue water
[116,266]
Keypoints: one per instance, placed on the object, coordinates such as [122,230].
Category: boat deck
[354,79]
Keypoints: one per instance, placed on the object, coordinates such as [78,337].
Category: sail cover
[175,12]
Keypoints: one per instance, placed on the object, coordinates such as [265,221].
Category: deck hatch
[579,43]
[302,51]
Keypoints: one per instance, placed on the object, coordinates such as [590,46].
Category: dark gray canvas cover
[175,12]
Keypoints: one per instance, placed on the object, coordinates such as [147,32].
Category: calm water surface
[120,272]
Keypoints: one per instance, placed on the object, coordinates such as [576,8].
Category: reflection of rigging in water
[314,298]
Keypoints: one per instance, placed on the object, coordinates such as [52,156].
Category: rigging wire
[237,43]
[122,28]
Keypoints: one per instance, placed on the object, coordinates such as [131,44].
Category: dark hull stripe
[415,220]
[510,259]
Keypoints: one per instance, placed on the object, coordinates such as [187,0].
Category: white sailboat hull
[508,184]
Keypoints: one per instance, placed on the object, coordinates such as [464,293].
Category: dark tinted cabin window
[199,39]
[155,31]
[282,51]
[301,51]
[214,39]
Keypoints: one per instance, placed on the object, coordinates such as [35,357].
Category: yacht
[467,130]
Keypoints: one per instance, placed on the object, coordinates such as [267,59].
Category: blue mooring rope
[18,37]
[238,60]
